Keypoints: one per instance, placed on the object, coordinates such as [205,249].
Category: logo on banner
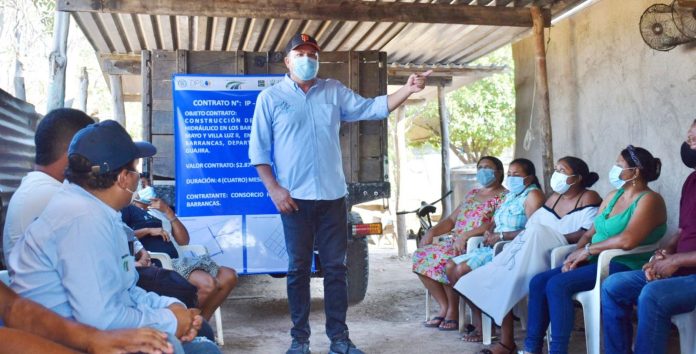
[234,85]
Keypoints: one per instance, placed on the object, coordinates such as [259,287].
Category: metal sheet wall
[18,121]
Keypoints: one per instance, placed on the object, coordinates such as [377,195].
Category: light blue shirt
[300,133]
[74,260]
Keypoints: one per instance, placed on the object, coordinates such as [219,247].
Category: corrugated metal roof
[405,43]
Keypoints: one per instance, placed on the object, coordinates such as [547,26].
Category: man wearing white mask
[295,127]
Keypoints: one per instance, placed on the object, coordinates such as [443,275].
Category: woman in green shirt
[631,216]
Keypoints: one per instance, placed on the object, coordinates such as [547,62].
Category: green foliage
[482,115]
[46,8]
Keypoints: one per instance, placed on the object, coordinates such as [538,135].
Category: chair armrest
[607,255]
[559,253]
[163,258]
[198,250]
[498,247]
[474,242]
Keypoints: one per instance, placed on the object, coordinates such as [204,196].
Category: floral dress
[430,260]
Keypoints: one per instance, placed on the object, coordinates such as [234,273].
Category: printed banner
[219,195]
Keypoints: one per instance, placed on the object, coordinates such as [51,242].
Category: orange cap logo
[304,37]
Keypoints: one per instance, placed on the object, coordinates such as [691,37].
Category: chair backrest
[5,277]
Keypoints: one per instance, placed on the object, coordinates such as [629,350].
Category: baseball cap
[108,146]
[299,39]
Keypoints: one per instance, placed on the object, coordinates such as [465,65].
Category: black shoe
[344,346]
[298,347]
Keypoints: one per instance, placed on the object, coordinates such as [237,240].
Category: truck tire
[357,264]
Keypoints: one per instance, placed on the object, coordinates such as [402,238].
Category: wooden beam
[119,64]
[317,10]
[117,99]
[687,3]
[445,71]
[444,150]
[542,98]
[432,80]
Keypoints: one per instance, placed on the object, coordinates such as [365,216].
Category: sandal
[473,337]
[431,324]
[509,350]
[449,325]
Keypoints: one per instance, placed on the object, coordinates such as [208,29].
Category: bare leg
[507,337]
[437,290]
[205,284]
[452,303]
[225,281]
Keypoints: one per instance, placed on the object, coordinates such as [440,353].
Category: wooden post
[146,99]
[57,61]
[399,140]
[542,97]
[117,99]
[444,148]
[20,92]
[84,86]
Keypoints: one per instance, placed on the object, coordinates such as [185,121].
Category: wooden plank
[183,32]
[109,25]
[292,27]
[92,32]
[336,41]
[221,26]
[212,62]
[502,2]
[146,96]
[131,32]
[357,35]
[163,122]
[237,33]
[162,165]
[373,35]
[148,30]
[200,33]
[267,42]
[444,149]
[257,28]
[318,10]
[166,30]
[117,99]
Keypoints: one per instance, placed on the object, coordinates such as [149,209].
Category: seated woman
[498,286]
[523,199]
[666,286]
[473,216]
[213,282]
[631,216]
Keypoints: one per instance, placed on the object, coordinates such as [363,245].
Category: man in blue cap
[295,126]
[75,260]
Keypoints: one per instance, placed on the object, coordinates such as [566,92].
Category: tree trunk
[117,99]
[84,86]
[20,91]
[57,61]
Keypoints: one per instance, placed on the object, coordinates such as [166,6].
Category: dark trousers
[550,300]
[657,302]
[321,223]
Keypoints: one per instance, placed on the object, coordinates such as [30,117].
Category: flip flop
[436,324]
[449,325]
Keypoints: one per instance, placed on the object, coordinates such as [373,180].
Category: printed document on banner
[219,195]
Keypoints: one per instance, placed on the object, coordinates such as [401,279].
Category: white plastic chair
[5,277]
[200,251]
[591,299]
[686,323]
[486,321]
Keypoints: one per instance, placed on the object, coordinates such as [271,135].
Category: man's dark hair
[79,171]
[55,131]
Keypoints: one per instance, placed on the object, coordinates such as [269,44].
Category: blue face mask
[485,176]
[516,184]
[614,176]
[305,68]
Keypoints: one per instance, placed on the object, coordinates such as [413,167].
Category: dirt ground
[389,320]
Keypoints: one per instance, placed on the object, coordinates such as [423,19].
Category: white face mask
[615,176]
[558,182]
[134,194]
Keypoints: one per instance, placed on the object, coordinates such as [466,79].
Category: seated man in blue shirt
[296,125]
[74,259]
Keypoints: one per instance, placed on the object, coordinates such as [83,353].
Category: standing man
[296,125]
